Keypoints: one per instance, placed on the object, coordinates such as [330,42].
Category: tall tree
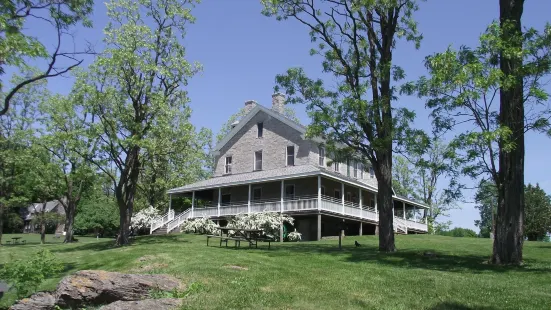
[356,40]
[421,176]
[463,90]
[67,139]
[538,213]
[18,44]
[509,235]
[135,86]
[16,135]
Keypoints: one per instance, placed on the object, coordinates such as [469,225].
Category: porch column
[414,214]
[281,210]
[342,195]
[404,207]
[169,202]
[360,198]
[319,192]
[319,227]
[361,229]
[376,209]
[192,202]
[219,199]
[249,201]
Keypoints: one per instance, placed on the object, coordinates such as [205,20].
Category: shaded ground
[316,275]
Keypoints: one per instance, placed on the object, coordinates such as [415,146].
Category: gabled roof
[257,109]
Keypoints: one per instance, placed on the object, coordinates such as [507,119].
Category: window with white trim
[290,155]
[371,172]
[336,166]
[347,167]
[290,191]
[361,171]
[258,160]
[321,152]
[257,193]
[348,196]
[355,165]
[227,166]
[337,194]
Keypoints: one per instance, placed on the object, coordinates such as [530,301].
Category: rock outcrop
[113,289]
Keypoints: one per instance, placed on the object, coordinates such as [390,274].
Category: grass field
[316,275]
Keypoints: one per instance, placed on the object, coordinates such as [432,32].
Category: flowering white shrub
[294,236]
[270,222]
[144,218]
[199,225]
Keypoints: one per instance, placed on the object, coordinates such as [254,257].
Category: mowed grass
[316,275]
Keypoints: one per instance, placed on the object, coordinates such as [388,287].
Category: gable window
[336,166]
[258,160]
[337,194]
[290,155]
[260,127]
[321,152]
[371,172]
[257,193]
[347,167]
[290,191]
[355,164]
[227,167]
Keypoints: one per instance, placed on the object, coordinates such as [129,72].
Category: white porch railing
[330,204]
[161,221]
[400,225]
[178,220]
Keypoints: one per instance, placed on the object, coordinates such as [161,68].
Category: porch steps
[160,231]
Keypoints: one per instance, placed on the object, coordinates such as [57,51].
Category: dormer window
[260,129]
[336,166]
[290,155]
[258,160]
[355,164]
[321,152]
[227,166]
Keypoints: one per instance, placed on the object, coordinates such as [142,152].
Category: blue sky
[241,52]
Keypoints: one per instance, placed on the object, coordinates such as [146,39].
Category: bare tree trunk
[509,237]
[69,221]
[385,205]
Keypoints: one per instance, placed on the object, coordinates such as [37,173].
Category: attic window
[260,127]
[290,155]
[321,153]
[227,169]
[258,160]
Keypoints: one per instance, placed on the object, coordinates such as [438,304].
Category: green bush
[459,232]
[25,275]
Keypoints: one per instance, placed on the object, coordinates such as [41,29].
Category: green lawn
[316,275]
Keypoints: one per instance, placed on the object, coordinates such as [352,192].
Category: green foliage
[98,214]
[194,287]
[486,203]
[459,232]
[25,275]
[537,213]
[463,89]
[18,46]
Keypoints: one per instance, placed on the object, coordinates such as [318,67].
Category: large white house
[265,163]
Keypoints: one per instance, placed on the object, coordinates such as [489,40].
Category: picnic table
[252,236]
[15,239]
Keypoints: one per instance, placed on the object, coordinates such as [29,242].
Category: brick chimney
[249,105]
[278,102]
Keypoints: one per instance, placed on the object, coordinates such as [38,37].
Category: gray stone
[38,301]
[146,304]
[96,287]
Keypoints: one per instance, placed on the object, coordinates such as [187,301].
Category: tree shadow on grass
[447,305]
[421,258]
[110,244]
